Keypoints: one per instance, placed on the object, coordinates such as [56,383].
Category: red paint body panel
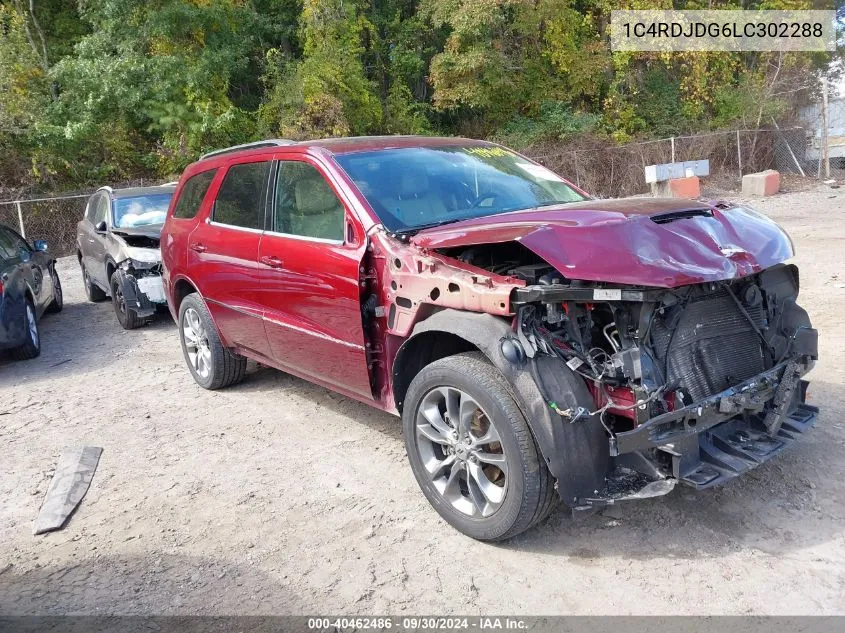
[305,316]
[617,241]
[313,310]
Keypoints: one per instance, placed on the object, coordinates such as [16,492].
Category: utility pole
[825,154]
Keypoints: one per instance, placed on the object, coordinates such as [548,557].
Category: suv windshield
[141,210]
[412,188]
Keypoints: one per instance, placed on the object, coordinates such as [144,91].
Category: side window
[7,246]
[240,201]
[306,205]
[90,207]
[98,209]
[18,243]
[193,193]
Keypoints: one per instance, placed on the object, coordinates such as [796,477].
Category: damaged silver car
[117,245]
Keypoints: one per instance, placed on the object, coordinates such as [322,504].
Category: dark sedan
[29,287]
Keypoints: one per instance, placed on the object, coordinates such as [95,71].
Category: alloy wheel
[119,299]
[461,451]
[196,343]
[32,326]
[57,289]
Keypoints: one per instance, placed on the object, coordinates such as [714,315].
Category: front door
[310,281]
[223,255]
[33,265]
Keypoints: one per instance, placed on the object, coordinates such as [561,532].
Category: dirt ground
[279,497]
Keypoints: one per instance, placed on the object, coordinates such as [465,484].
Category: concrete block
[764,183]
[689,187]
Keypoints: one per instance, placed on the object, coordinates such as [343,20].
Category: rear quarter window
[193,193]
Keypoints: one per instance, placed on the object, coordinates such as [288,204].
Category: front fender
[577,453]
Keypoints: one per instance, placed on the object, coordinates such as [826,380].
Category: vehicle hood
[655,242]
[150,230]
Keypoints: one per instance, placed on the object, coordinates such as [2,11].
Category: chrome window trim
[233,227]
[306,238]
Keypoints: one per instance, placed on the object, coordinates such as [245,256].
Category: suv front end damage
[142,286]
[139,269]
[695,384]
[663,336]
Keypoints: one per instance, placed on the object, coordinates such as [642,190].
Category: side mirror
[40,245]
[101,226]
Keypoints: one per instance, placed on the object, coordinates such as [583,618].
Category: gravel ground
[279,497]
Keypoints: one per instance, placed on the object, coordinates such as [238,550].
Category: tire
[94,293]
[31,347]
[212,365]
[526,487]
[58,301]
[126,316]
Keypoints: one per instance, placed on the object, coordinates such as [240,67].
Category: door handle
[198,247]
[271,260]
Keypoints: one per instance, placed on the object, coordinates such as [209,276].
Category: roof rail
[273,142]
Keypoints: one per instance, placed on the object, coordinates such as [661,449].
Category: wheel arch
[577,454]
[111,266]
[181,289]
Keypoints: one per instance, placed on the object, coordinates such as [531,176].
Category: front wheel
[212,365]
[472,452]
[58,302]
[126,316]
[31,347]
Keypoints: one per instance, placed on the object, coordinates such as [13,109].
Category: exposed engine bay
[695,384]
[140,272]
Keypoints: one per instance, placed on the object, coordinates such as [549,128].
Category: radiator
[714,346]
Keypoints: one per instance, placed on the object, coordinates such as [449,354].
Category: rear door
[223,254]
[181,223]
[310,280]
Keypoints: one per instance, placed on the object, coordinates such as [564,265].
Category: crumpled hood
[152,231]
[655,242]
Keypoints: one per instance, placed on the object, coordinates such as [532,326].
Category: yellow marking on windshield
[487,152]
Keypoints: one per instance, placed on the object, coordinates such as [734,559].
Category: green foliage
[93,91]
[556,121]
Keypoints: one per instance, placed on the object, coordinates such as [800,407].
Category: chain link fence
[52,219]
[615,171]
[600,168]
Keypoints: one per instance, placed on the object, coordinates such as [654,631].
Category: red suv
[538,343]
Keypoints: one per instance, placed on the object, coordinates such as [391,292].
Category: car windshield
[141,210]
[411,188]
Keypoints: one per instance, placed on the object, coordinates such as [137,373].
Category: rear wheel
[126,316]
[472,452]
[92,290]
[212,365]
[31,346]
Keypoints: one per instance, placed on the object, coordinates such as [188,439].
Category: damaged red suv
[538,344]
